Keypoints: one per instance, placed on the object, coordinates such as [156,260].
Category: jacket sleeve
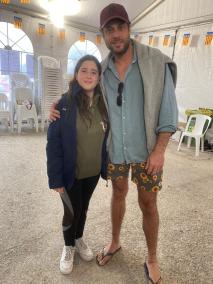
[54,151]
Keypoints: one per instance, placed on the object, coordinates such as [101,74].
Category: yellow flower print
[155,188]
[121,168]
[111,167]
[143,176]
[155,177]
[135,181]
[142,165]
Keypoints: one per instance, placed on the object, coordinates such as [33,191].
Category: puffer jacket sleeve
[54,151]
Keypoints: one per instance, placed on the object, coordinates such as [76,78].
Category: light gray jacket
[152,68]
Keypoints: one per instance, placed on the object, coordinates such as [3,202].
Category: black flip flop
[103,255]
[149,280]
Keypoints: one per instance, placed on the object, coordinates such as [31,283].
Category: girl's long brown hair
[82,99]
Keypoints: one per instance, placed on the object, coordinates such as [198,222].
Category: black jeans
[76,202]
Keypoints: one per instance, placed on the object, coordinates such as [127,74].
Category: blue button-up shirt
[128,143]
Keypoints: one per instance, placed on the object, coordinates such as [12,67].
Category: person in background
[76,155]
[138,84]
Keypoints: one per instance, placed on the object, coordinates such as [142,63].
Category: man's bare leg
[118,207]
[148,205]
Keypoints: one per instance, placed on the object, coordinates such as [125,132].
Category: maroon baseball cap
[113,11]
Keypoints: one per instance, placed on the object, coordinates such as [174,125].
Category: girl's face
[87,76]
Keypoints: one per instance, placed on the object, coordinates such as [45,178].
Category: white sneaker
[67,257]
[84,251]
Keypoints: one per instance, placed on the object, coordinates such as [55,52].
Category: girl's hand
[59,189]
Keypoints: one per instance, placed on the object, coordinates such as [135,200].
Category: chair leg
[36,124]
[189,142]
[19,122]
[202,144]
[181,139]
[197,146]
[42,124]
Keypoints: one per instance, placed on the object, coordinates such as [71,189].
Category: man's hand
[59,189]
[54,113]
[155,162]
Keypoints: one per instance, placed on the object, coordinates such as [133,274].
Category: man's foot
[106,254]
[84,250]
[66,262]
[152,273]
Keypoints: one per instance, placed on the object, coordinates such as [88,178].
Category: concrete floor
[30,221]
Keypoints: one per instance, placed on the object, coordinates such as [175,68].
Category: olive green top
[89,143]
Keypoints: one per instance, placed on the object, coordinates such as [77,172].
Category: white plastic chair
[5,111]
[25,109]
[20,80]
[195,128]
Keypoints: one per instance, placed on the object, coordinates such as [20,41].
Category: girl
[76,154]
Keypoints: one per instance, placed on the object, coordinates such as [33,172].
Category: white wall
[194,62]
[195,70]
[171,13]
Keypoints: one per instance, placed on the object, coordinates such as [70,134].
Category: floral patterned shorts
[144,181]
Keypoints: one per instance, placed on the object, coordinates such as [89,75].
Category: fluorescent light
[57,20]
[62,7]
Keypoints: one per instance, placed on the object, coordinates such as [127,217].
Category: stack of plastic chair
[66,81]
[25,108]
[196,128]
[49,85]
[6,111]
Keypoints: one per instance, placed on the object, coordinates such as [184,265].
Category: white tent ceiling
[88,17]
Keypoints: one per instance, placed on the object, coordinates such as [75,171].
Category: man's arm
[155,160]
[54,113]
[167,125]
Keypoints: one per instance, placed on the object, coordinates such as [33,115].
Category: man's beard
[122,51]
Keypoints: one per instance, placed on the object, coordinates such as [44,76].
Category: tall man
[138,85]
[139,90]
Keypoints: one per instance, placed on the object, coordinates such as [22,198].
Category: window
[79,49]
[16,54]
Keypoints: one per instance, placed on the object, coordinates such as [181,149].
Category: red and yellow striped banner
[166,40]
[186,38]
[25,1]
[17,22]
[82,37]
[151,40]
[62,34]
[41,30]
[5,1]
[208,38]
[98,39]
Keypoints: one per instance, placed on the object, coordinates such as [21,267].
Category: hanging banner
[166,40]
[17,22]
[5,1]
[208,38]
[186,38]
[150,39]
[82,36]
[41,30]
[98,39]
[61,34]
[25,1]
[155,41]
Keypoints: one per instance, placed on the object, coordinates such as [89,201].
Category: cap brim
[112,18]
